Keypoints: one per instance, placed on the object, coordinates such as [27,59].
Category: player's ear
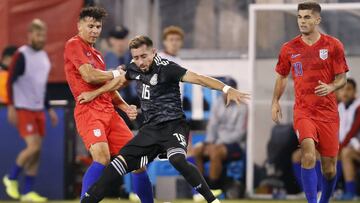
[318,20]
[153,50]
[80,24]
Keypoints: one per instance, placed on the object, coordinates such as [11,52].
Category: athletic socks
[28,184]
[191,175]
[328,187]
[143,187]
[111,173]
[15,171]
[309,181]
[319,175]
[91,176]
[350,187]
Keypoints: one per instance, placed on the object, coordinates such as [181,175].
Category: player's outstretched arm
[130,110]
[95,76]
[206,81]
[324,89]
[279,88]
[110,86]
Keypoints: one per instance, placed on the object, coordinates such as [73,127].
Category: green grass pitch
[189,201]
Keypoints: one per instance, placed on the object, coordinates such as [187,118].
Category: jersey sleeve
[283,65]
[16,69]
[174,72]
[339,61]
[76,54]
[130,73]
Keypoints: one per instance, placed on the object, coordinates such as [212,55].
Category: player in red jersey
[102,130]
[318,68]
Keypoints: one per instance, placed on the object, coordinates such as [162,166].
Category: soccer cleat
[216,201]
[32,197]
[199,198]
[133,197]
[12,188]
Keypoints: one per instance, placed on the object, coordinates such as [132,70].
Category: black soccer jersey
[158,90]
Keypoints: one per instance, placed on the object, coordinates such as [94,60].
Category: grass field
[189,201]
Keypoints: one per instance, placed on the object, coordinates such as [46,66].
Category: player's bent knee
[100,153]
[329,172]
[177,157]
[308,160]
[34,149]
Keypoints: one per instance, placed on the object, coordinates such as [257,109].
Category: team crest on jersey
[154,79]
[97,132]
[323,53]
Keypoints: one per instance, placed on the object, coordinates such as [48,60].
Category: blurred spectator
[4,64]
[349,111]
[119,54]
[29,71]
[173,38]
[225,138]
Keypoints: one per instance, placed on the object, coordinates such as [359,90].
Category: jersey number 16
[145,92]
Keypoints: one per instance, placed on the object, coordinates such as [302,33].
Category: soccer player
[165,128]
[318,68]
[102,130]
[29,71]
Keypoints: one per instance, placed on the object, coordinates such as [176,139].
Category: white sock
[216,201]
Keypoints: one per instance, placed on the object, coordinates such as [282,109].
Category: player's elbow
[89,79]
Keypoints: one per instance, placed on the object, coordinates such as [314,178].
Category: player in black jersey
[165,128]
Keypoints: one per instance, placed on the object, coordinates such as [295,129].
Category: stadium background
[216,43]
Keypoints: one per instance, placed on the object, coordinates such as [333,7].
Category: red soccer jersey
[78,52]
[309,64]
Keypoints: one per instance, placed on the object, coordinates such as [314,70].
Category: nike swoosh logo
[294,55]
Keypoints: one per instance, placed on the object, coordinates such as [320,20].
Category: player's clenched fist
[236,96]
[276,113]
[131,112]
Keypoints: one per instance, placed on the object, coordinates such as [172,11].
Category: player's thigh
[91,128]
[305,128]
[118,134]
[33,142]
[140,150]
[41,123]
[175,135]
[328,145]
[27,123]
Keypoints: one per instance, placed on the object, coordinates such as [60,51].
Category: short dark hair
[119,32]
[140,40]
[310,5]
[351,82]
[97,13]
[173,30]
[9,51]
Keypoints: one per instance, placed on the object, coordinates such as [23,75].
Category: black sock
[111,173]
[191,175]
[214,184]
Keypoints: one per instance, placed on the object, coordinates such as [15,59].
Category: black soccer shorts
[153,140]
